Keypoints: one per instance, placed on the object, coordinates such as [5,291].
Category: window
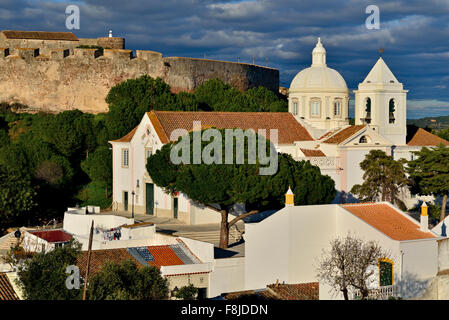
[337,108]
[391,110]
[316,106]
[363,139]
[148,152]
[368,110]
[386,274]
[125,158]
[295,108]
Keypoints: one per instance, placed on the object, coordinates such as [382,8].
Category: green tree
[263,99]
[125,281]
[221,186]
[43,277]
[443,133]
[98,167]
[128,101]
[187,293]
[430,173]
[383,179]
[17,197]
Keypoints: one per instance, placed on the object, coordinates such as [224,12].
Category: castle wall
[58,78]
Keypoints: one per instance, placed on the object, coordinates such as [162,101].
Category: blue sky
[415,35]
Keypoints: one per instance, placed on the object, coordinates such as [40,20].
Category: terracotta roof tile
[387,220]
[425,138]
[39,35]
[344,134]
[100,257]
[301,291]
[164,256]
[312,153]
[6,289]
[127,137]
[289,130]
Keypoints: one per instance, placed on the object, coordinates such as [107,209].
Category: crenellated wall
[59,77]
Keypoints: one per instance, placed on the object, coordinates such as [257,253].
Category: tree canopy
[221,186]
[430,173]
[349,264]
[125,281]
[383,179]
[43,277]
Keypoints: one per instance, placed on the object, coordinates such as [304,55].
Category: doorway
[175,207]
[149,198]
[125,200]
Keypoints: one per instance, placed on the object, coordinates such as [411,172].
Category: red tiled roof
[388,220]
[52,235]
[289,130]
[164,256]
[39,35]
[100,257]
[6,289]
[300,291]
[425,138]
[127,137]
[344,134]
[312,153]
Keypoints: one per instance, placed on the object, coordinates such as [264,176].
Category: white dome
[319,77]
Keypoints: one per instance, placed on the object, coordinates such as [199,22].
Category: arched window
[337,108]
[368,110]
[386,272]
[363,139]
[391,110]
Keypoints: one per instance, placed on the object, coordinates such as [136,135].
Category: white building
[316,128]
[292,256]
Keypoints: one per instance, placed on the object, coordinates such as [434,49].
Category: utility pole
[89,254]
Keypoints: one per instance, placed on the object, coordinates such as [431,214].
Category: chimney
[289,198]
[424,218]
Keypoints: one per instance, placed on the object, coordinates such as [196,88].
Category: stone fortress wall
[49,72]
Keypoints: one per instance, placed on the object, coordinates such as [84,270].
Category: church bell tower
[381,102]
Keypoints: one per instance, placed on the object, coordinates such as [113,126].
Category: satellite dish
[17,234]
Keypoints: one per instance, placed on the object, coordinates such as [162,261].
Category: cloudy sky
[415,35]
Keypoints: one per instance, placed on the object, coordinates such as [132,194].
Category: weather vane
[380,51]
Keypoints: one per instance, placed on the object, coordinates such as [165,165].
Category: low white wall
[203,250]
[80,224]
[186,268]
[33,243]
[228,276]
[157,240]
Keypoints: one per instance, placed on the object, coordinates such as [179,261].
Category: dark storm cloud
[414,33]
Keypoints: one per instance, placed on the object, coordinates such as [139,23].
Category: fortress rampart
[57,75]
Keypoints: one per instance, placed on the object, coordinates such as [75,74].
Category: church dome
[319,77]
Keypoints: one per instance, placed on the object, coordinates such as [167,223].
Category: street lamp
[132,205]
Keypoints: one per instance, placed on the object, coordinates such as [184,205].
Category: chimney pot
[424,217]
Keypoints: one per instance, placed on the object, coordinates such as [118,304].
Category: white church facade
[315,128]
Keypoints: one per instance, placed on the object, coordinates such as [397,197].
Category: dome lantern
[319,55]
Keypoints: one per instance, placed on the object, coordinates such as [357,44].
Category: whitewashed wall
[228,275]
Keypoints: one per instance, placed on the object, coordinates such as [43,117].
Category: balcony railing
[381,293]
